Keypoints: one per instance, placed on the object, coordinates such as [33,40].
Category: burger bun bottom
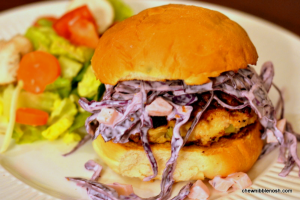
[228,155]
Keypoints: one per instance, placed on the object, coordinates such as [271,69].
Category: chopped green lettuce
[62,47]
[100,92]
[46,39]
[27,134]
[122,10]
[71,137]
[62,86]
[79,76]
[58,128]
[61,119]
[69,67]
[44,101]
[39,36]
[44,22]
[62,108]
[88,86]
[79,121]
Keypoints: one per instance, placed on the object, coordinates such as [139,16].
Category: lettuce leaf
[62,108]
[62,47]
[44,101]
[79,76]
[68,138]
[45,39]
[62,86]
[100,92]
[122,10]
[61,119]
[58,128]
[39,37]
[27,134]
[79,121]
[44,22]
[69,67]
[89,84]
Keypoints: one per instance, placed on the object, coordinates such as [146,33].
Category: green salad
[42,103]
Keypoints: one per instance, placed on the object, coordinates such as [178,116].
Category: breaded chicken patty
[215,122]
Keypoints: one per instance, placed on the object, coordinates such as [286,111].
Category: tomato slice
[83,32]
[62,25]
[30,116]
[38,69]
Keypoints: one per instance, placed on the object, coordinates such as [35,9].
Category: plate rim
[279,29]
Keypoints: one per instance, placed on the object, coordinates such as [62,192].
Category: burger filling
[156,112]
[215,122]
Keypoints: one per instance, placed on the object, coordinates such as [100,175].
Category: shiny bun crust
[221,158]
[172,42]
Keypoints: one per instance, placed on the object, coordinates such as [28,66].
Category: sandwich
[183,101]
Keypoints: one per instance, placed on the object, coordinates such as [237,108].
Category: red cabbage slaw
[130,97]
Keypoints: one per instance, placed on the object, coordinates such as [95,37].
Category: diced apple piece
[122,189]
[159,107]
[271,137]
[199,191]
[108,116]
[241,180]
[221,184]
[281,125]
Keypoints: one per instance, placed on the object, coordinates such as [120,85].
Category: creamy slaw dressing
[131,97]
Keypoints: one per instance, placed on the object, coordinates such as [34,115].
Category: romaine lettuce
[71,137]
[69,67]
[79,121]
[46,39]
[79,76]
[58,128]
[39,36]
[62,86]
[44,101]
[122,10]
[89,84]
[27,134]
[44,22]
[60,119]
[62,47]
[62,108]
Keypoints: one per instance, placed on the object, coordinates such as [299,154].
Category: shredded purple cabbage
[95,167]
[184,192]
[280,102]
[131,97]
[95,189]
[79,144]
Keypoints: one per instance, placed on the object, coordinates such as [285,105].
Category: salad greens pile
[60,98]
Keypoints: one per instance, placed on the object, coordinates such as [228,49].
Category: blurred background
[285,13]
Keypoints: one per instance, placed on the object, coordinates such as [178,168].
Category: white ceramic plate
[37,171]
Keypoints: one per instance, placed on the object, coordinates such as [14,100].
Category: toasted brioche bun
[172,42]
[194,162]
